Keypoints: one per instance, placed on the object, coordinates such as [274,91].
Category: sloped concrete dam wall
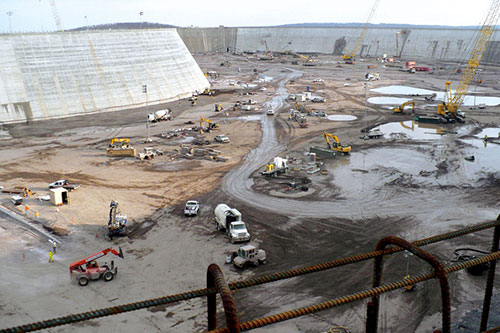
[443,44]
[53,75]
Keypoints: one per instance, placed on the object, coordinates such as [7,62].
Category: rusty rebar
[489,282]
[265,321]
[103,312]
[373,308]
[215,278]
[492,330]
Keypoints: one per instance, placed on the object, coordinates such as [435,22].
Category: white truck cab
[229,219]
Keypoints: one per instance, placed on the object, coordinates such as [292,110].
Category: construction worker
[54,245]
[26,208]
[51,257]
[37,215]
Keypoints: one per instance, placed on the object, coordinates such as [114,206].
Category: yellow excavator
[211,125]
[448,109]
[120,147]
[336,145]
[401,108]
[349,56]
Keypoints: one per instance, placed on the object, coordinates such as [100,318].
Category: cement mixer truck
[160,116]
[229,220]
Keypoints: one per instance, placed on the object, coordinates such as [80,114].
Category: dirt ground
[396,185]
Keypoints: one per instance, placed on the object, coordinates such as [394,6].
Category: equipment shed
[59,196]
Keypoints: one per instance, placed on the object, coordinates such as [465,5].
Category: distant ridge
[124,26]
[380,25]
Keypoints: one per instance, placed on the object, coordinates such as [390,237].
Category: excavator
[349,56]
[448,109]
[88,269]
[211,125]
[336,145]
[117,223]
[401,108]
[120,147]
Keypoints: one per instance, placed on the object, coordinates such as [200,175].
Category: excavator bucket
[121,253]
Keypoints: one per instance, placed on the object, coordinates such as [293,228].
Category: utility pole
[86,22]
[365,134]
[10,15]
[145,91]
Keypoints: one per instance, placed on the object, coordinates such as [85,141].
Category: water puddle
[266,79]
[402,90]
[387,100]
[412,130]
[491,132]
[4,135]
[367,171]
[250,118]
[340,117]
[440,95]
[187,139]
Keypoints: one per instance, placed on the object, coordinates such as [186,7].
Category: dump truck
[249,255]
[229,220]
[160,115]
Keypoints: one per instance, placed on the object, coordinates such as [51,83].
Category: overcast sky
[36,15]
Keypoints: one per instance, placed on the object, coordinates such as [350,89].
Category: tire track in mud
[238,184]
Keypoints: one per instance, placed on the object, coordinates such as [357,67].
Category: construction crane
[448,109]
[336,145]
[349,56]
[55,13]
[401,108]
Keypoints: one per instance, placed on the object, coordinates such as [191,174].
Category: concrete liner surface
[443,44]
[53,75]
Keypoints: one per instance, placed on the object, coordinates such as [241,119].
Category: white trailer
[229,220]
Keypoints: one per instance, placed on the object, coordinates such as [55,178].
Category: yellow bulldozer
[335,144]
[120,147]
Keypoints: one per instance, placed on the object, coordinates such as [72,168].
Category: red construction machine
[88,268]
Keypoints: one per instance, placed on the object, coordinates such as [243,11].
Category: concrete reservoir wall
[53,75]
[441,44]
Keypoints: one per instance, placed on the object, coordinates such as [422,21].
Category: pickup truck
[222,138]
[64,184]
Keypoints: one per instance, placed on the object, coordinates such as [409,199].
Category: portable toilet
[59,196]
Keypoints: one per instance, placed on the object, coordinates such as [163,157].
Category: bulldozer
[211,126]
[401,108]
[336,145]
[208,92]
[117,223]
[120,147]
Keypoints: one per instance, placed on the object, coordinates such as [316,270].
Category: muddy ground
[396,185]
